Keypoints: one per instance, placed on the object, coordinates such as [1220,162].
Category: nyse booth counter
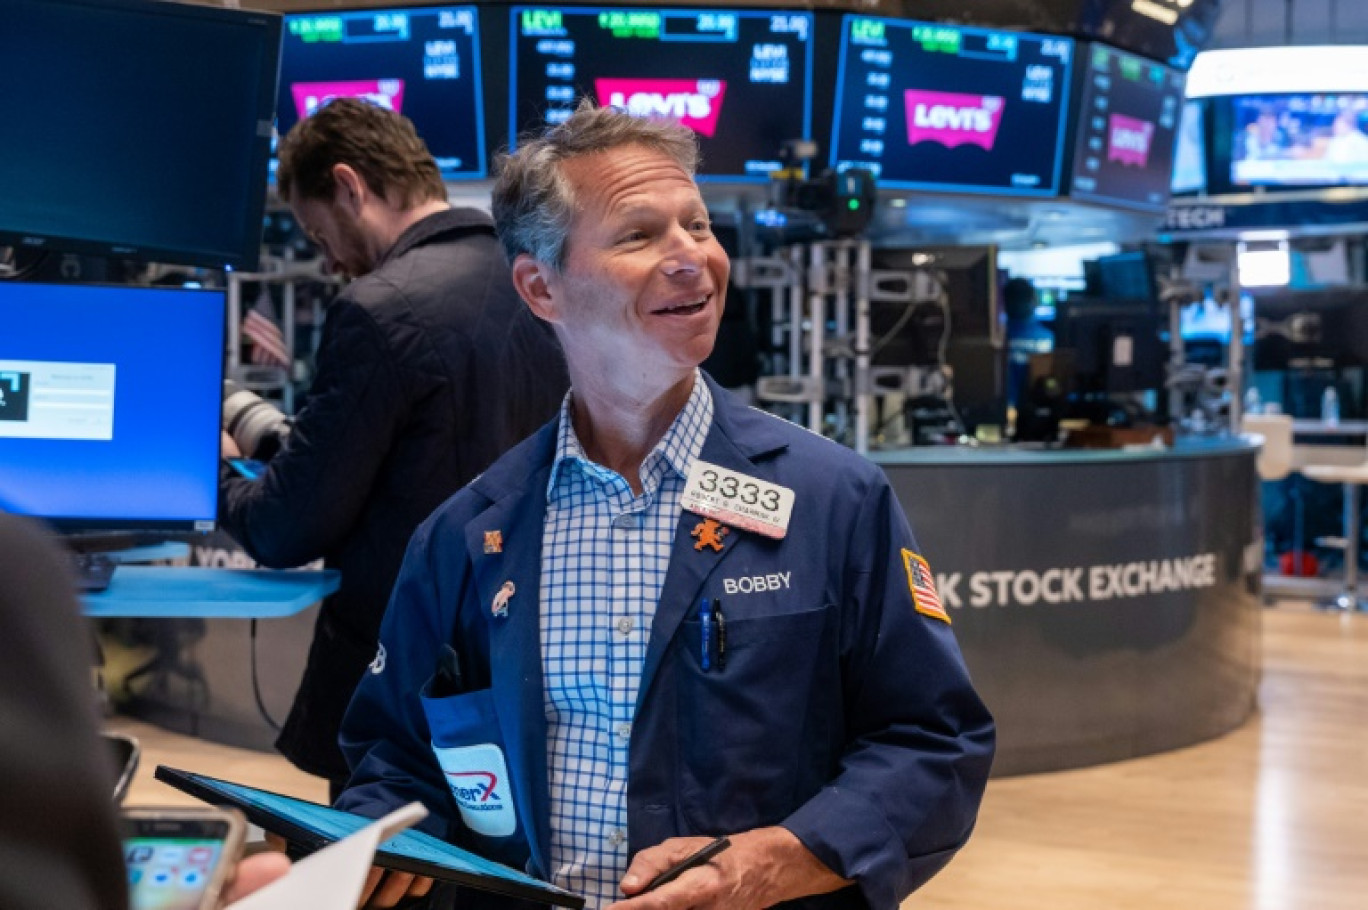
[1107,602]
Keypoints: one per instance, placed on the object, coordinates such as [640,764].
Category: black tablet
[312,827]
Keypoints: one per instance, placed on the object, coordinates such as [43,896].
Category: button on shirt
[604,556]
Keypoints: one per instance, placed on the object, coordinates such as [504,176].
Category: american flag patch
[923,585]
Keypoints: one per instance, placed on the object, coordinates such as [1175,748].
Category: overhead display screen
[1299,140]
[1128,120]
[423,63]
[740,80]
[927,106]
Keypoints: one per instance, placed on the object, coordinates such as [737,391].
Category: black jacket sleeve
[315,489]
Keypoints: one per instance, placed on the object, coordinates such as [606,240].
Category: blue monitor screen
[941,107]
[110,401]
[423,63]
[136,129]
[740,80]
[1127,123]
[1300,140]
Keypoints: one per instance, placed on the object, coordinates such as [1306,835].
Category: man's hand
[254,873]
[227,447]
[385,887]
[762,868]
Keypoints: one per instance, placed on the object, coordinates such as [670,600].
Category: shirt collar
[678,448]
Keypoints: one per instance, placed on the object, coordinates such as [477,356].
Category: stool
[1352,477]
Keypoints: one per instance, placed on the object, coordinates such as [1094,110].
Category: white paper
[332,878]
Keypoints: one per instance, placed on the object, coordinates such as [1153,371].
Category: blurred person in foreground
[59,841]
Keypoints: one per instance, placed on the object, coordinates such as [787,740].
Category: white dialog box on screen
[42,399]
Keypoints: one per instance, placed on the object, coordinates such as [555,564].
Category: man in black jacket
[429,368]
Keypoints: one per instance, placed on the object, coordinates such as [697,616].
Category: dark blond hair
[380,145]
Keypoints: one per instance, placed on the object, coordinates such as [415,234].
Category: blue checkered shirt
[604,556]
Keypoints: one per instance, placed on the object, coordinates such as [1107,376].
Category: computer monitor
[1115,344]
[740,79]
[966,334]
[1299,140]
[942,107]
[1127,122]
[1127,275]
[136,128]
[423,63]
[110,402]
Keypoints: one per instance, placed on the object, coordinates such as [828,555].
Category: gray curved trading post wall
[1107,603]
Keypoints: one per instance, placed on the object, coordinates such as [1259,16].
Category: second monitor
[740,80]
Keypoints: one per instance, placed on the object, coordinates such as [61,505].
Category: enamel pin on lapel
[500,606]
[709,534]
[493,542]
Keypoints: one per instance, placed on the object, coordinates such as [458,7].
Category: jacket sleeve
[920,742]
[315,488]
[385,736]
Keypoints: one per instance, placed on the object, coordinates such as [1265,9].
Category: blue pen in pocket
[705,634]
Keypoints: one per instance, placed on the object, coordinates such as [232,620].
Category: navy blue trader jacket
[841,712]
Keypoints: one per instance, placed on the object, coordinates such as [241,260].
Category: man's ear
[533,280]
[350,190]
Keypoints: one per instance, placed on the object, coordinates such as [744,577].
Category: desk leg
[1348,598]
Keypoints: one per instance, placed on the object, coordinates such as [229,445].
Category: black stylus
[690,862]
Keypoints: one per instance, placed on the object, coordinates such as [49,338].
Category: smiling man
[665,617]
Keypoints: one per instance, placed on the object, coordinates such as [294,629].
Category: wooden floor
[1271,817]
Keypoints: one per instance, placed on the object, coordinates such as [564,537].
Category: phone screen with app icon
[170,874]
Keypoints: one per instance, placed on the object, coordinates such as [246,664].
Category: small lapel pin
[500,606]
[710,534]
[493,542]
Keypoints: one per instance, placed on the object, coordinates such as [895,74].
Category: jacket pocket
[468,747]
[753,728]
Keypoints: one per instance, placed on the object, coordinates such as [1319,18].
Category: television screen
[110,401]
[423,63]
[739,79]
[945,108]
[1299,140]
[1127,122]
[1189,156]
[136,128]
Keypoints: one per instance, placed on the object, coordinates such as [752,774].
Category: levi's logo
[693,102]
[1129,140]
[952,119]
[383,93]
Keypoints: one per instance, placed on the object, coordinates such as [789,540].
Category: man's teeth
[686,306]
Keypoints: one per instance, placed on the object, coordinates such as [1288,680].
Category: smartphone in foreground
[180,859]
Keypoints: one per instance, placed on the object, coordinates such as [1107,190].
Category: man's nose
[685,253]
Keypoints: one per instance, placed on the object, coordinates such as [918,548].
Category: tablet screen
[335,824]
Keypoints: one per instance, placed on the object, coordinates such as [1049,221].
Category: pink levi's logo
[1129,140]
[693,102]
[385,93]
[952,119]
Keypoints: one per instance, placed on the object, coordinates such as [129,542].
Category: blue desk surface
[177,592]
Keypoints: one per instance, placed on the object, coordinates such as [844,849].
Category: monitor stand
[92,566]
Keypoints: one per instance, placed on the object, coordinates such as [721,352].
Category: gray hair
[534,204]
